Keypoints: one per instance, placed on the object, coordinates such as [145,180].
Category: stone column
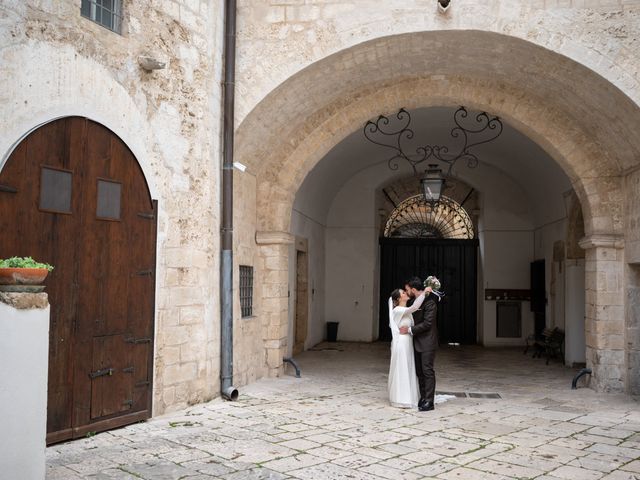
[604,311]
[273,252]
[24,370]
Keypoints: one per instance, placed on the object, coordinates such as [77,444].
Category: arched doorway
[72,194]
[321,105]
[420,240]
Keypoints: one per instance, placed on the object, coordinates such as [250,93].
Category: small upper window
[55,190]
[107,13]
[108,204]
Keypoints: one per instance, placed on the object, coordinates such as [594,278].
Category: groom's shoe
[421,402]
[426,407]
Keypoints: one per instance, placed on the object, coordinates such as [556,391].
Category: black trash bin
[332,331]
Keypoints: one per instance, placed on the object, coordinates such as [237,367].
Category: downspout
[227,389]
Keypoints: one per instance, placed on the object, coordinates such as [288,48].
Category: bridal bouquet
[432,282]
[435,285]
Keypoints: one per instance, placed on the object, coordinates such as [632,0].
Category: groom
[425,343]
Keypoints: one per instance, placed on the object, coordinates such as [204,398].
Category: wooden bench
[551,344]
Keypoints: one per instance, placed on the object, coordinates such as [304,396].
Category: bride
[403,382]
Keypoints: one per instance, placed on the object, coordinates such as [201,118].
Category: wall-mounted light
[239,166]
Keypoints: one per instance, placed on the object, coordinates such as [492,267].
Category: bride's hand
[428,289]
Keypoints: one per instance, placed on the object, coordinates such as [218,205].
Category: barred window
[246,291]
[107,13]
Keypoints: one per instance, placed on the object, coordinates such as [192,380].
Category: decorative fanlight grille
[415,218]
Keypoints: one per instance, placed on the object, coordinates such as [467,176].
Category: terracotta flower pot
[22,276]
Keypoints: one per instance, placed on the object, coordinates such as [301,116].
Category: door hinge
[127,370]
[101,373]
[147,216]
[7,189]
[137,340]
[143,273]
[128,402]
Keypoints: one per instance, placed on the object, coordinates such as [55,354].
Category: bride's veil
[395,330]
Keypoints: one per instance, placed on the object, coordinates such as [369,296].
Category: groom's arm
[429,319]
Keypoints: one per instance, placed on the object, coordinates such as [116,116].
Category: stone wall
[311,73]
[604,311]
[278,38]
[56,63]
[308,74]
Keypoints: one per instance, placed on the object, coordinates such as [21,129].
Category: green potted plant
[23,271]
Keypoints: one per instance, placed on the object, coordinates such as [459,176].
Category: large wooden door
[454,262]
[72,194]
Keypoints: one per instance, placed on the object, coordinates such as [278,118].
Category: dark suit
[425,343]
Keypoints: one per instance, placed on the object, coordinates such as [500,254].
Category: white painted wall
[506,258]
[24,361]
[352,250]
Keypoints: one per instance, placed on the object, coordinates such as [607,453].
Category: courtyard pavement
[335,423]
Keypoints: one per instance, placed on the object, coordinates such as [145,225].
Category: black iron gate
[454,262]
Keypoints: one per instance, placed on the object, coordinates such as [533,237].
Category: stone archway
[555,101]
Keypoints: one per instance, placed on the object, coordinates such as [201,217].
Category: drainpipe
[227,389]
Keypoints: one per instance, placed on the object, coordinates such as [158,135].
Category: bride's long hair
[395,296]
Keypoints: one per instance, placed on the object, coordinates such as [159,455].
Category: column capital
[274,238]
[604,240]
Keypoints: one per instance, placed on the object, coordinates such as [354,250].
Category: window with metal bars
[107,13]
[246,291]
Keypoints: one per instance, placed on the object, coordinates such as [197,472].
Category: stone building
[102,97]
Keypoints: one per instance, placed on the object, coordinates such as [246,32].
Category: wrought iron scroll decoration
[486,129]
[415,218]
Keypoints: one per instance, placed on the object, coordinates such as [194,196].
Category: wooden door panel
[46,237]
[95,293]
[141,353]
[112,385]
[454,262]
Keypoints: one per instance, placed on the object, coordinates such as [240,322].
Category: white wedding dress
[403,382]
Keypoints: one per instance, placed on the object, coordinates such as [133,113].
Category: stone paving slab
[335,423]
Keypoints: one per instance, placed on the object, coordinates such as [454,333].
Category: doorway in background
[454,262]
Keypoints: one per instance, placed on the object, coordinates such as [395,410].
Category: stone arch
[555,101]
[580,119]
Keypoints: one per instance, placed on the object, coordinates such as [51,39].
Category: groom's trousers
[426,374]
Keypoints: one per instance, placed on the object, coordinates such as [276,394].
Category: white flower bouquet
[433,282]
